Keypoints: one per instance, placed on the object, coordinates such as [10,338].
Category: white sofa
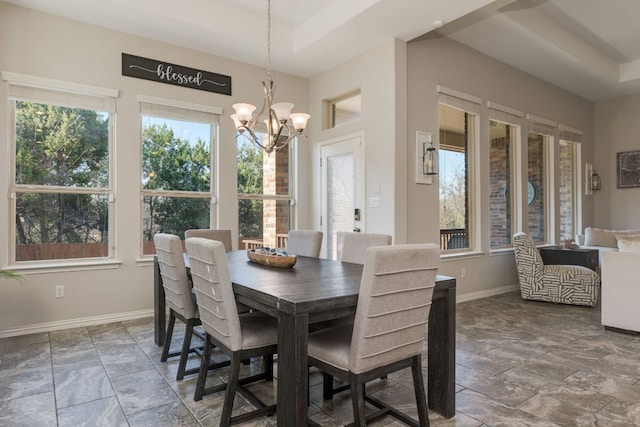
[621,289]
[602,240]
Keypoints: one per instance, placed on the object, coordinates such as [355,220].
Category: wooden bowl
[272,260]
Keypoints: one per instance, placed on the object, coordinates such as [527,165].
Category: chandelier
[281,125]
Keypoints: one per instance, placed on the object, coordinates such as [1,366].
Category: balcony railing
[453,238]
[281,242]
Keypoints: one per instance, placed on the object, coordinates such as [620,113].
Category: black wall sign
[164,72]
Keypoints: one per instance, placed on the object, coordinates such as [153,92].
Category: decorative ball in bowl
[270,257]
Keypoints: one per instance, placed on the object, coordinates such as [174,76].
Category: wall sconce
[427,162]
[429,159]
[588,179]
[595,181]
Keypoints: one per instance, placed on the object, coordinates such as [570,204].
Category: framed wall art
[628,169]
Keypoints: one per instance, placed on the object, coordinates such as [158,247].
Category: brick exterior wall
[500,192]
[536,176]
[567,185]
[275,181]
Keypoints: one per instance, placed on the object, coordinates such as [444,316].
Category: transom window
[344,109]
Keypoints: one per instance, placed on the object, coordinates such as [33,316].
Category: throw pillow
[629,245]
[634,237]
[599,237]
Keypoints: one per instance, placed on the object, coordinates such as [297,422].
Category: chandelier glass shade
[275,120]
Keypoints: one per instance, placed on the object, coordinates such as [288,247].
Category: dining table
[315,290]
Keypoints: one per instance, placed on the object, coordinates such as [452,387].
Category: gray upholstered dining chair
[565,284]
[304,242]
[389,329]
[239,336]
[179,298]
[220,235]
[352,247]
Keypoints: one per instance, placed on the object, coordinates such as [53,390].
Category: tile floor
[518,364]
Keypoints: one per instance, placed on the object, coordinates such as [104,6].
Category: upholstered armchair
[565,284]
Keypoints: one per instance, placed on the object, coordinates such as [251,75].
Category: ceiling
[588,47]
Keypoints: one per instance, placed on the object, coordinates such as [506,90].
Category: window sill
[145,262]
[501,251]
[40,267]
[460,255]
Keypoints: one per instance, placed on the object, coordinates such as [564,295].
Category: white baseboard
[119,317]
[488,293]
[76,323]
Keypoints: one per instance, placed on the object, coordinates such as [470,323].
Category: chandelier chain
[282,126]
[269,40]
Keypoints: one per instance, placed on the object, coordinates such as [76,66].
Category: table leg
[442,354]
[159,308]
[293,381]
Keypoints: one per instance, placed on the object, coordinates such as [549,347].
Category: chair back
[223,236]
[393,306]
[528,260]
[304,243]
[352,247]
[214,293]
[174,275]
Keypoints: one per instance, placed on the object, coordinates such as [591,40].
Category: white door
[342,189]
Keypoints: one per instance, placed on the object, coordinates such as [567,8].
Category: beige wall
[42,45]
[617,129]
[380,75]
[440,61]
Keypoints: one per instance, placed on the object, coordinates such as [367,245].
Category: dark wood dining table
[318,289]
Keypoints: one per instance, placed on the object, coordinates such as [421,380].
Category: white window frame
[469,104]
[67,94]
[513,118]
[292,148]
[571,135]
[548,129]
[151,106]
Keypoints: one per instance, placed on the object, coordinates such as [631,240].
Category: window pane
[568,189]
[536,200]
[61,146]
[455,131]
[260,173]
[340,198]
[250,214]
[176,155]
[60,226]
[263,222]
[172,215]
[345,110]
[501,182]
[249,164]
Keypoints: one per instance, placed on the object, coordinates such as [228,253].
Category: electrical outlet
[463,273]
[59,291]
